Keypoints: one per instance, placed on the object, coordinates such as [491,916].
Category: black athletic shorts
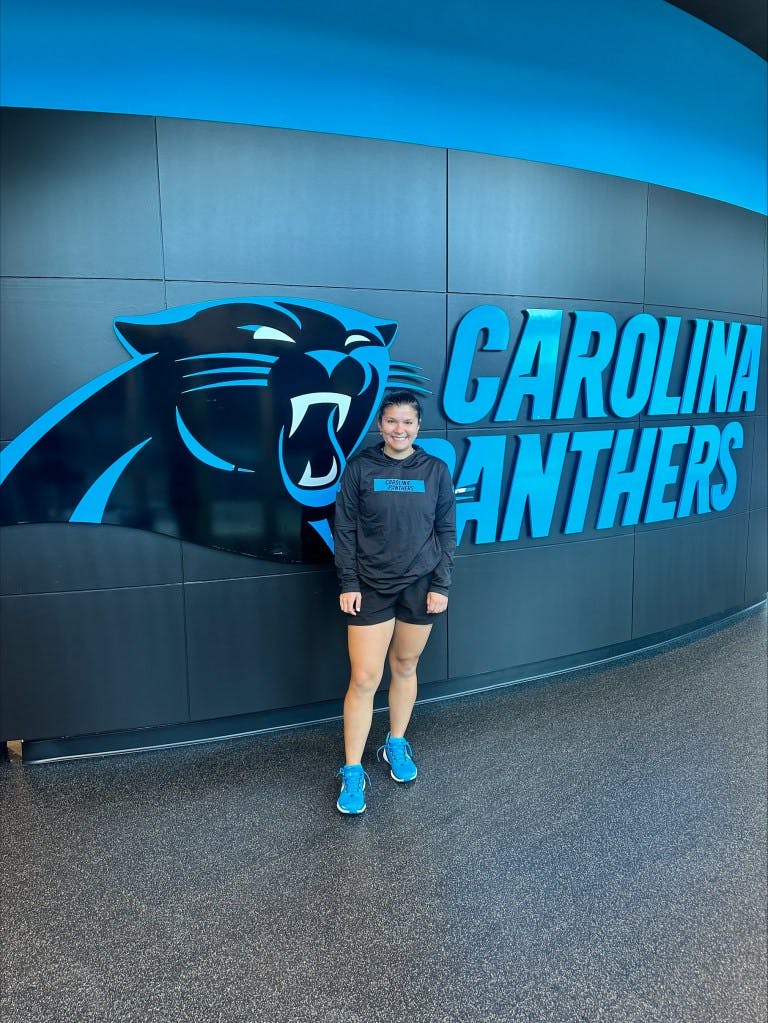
[407,605]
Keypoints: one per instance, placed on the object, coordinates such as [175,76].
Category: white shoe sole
[401,781]
[351,813]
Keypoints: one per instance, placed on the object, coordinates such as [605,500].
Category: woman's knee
[364,681]
[403,666]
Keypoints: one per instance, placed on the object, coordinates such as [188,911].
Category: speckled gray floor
[589,850]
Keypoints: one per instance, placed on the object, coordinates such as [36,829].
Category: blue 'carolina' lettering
[719,367]
[533,367]
[592,343]
[483,319]
[661,403]
[638,369]
[693,372]
[744,388]
[637,356]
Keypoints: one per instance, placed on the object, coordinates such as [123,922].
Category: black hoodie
[395,522]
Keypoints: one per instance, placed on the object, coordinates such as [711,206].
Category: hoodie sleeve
[445,531]
[345,530]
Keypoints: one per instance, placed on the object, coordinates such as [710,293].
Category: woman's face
[399,425]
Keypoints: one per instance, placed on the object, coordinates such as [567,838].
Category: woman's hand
[436,602]
[350,602]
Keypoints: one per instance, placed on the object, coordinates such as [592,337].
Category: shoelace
[353,780]
[397,748]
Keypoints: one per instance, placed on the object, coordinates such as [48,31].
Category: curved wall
[107,629]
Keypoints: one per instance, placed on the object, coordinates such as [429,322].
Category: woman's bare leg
[367,653]
[408,641]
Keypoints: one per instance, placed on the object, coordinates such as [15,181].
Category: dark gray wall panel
[756,584]
[521,228]
[703,253]
[78,663]
[56,336]
[688,572]
[54,557]
[759,497]
[259,644]
[497,364]
[203,564]
[420,317]
[79,195]
[523,606]
[300,207]
[762,390]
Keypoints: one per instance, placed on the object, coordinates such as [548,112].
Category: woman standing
[395,536]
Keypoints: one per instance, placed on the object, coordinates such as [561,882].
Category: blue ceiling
[639,89]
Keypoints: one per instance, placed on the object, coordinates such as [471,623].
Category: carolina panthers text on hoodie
[395,522]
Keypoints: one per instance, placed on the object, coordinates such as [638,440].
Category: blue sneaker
[352,796]
[399,755]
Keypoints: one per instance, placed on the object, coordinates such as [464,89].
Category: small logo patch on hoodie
[399,486]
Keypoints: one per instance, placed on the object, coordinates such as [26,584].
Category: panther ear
[136,338]
[387,331]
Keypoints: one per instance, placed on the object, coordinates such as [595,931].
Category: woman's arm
[445,531]
[345,530]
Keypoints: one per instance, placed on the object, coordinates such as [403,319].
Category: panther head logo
[230,426]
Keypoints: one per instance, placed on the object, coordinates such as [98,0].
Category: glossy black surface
[419,315]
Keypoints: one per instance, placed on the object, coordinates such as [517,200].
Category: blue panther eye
[267,333]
